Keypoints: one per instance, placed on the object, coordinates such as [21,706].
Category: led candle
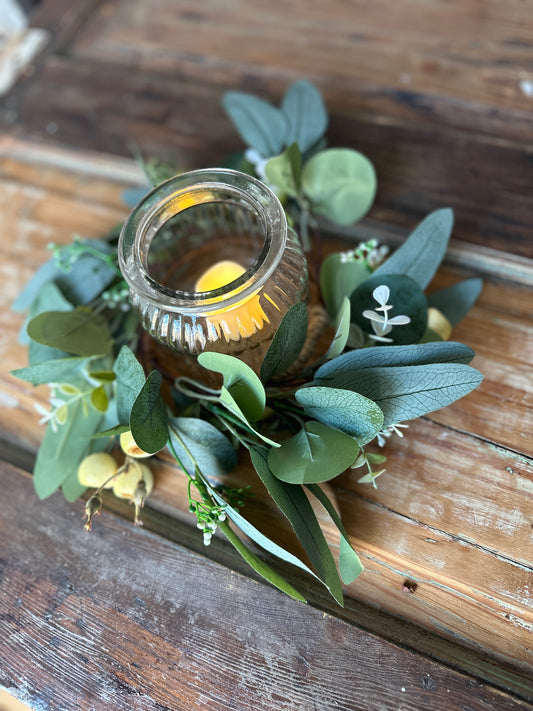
[246,317]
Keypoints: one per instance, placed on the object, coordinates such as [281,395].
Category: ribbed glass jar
[182,229]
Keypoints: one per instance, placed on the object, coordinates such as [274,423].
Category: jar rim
[134,242]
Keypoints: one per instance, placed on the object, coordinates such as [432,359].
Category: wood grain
[452,513]
[123,619]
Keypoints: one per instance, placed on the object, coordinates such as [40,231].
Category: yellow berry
[128,479]
[438,322]
[95,469]
[130,447]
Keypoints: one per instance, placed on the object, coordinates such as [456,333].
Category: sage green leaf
[457,300]
[285,170]
[316,453]
[99,398]
[287,343]
[148,419]
[406,392]
[306,114]
[341,334]
[81,332]
[343,410]
[49,298]
[199,442]
[111,432]
[260,125]
[104,376]
[255,535]
[259,565]
[295,505]
[129,383]
[350,566]
[420,256]
[61,451]
[71,487]
[339,276]
[407,299]
[227,401]
[240,380]
[50,371]
[430,336]
[337,373]
[341,184]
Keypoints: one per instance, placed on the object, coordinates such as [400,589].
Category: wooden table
[149,619]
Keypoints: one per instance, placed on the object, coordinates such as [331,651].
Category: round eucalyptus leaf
[341,184]
[406,298]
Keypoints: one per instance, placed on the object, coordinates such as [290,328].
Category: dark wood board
[122,619]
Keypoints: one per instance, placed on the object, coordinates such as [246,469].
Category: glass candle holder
[191,235]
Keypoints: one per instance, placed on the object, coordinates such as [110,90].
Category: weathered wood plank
[77,103]
[123,618]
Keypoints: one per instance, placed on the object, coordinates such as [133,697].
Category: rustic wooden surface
[439,97]
[211,638]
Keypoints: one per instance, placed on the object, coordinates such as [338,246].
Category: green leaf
[337,372]
[240,380]
[339,276]
[306,114]
[82,331]
[316,453]
[71,487]
[227,401]
[457,300]
[407,299]
[294,504]
[350,566]
[341,184]
[343,410]
[260,125]
[285,170]
[49,299]
[259,565]
[148,419]
[50,371]
[421,255]
[341,334]
[287,343]
[111,432]
[104,376]
[129,383]
[406,392]
[211,450]
[62,451]
[99,398]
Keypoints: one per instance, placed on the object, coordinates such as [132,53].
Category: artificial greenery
[303,421]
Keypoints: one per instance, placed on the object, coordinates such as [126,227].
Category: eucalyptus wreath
[308,415]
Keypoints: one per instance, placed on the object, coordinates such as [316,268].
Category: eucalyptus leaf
[339,276]
[420,256]
[285,170]
[81,332]
[260,125]
[342,332]
[148,419]
[111,432]
[457,300]
[337,373]
[99,398]
[50,298]
[228,402]
[341,409]
[350,566]
[406,392]
[209,448]
[240,380]
[129,383]
[51,371]
[316,453]
[294,504]
[259,565]
[306,114]
[287,343]
[71,487]
[341,184]
[62,450]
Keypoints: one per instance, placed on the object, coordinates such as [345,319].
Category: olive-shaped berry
[130,446]
[96,469]
[126,482]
